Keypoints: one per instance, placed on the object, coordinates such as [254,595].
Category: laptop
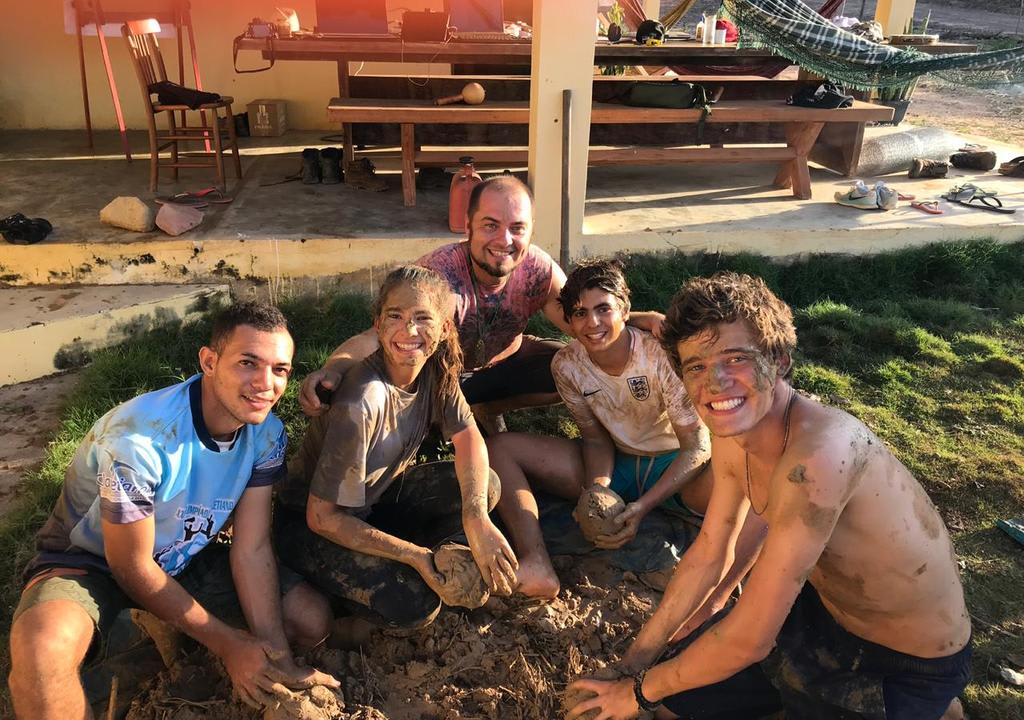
[352,18]
[475,16]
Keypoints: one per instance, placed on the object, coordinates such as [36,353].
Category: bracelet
[638,693]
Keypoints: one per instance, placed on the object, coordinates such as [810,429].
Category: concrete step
[46,329]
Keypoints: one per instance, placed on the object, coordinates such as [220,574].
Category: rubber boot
[362,174]
[310,166]
[974,160]
[925,168]
[330,166]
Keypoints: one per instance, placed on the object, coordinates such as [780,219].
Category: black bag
[169,93]
[675,94]
[672,94]
[827,96]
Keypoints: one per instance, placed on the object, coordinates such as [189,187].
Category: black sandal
[20,230]
[980,201]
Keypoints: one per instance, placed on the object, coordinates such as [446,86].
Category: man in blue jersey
[150,486]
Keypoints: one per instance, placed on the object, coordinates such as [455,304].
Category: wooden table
[802,126]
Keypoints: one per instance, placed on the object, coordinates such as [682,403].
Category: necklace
[785,442]
[483,323]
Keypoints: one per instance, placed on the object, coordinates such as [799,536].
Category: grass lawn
[924,345]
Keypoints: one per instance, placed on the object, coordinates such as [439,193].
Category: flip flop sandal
[929,206]
[970,190]
[1013,168]
[212,195]
[982,202]
[905,196]
[183,198]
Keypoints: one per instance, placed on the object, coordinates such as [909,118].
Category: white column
[894,15]
[563,58]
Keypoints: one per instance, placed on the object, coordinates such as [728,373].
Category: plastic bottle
[458,198]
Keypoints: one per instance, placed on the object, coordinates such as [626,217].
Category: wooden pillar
[894,15]
[562,58]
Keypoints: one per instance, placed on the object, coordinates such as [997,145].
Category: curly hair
[447,358]
[704,303]
[259,315]
[601,273]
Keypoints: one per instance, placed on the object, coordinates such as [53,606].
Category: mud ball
[463,584]
[596,511]
[572,698]
[316,703]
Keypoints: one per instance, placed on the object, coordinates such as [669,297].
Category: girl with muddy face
[413,317]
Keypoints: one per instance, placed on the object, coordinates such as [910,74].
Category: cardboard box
[268,118]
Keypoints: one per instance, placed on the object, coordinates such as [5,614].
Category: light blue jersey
[153,456]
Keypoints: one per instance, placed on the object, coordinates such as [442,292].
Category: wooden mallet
[472,94]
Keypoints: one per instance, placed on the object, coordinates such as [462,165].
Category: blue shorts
[633,475]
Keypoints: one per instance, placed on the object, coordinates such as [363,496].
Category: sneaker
[851,198]
[885,196]
[925,168]
[330,166]
[974,160]
[310,166]
[362,173]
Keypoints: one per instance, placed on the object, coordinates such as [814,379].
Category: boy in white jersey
[149,488]
[640,436]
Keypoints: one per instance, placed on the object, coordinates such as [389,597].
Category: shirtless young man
[854,608]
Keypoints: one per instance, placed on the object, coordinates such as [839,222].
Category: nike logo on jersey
[588,394]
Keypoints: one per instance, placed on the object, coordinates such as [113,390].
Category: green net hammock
[795,31]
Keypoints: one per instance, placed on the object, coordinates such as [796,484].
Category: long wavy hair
[447,357]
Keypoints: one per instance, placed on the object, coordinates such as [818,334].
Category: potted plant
[898,98]
[616,15]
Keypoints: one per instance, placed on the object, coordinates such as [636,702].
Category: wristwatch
[638,693]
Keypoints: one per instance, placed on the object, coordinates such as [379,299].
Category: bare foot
[537,579]
[955,711]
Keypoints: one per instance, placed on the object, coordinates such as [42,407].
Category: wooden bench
[837,148]
[801,127]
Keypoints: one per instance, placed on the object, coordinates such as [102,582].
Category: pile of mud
[503,660]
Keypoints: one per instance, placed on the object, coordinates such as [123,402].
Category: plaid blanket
[797,32]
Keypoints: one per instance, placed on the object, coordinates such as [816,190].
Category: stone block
[129,213]
[176,219]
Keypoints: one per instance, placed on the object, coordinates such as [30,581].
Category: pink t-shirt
[497,320]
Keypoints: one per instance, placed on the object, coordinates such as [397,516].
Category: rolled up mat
[896,151]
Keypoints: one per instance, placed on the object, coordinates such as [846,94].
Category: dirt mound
[596,511]
[317,703]
[503,660]
[463,584]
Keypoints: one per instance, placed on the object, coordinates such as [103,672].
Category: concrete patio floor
[288,231]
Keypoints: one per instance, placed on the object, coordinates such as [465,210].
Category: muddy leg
[554,465]
[48,643]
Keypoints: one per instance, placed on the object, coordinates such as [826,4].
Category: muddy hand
[248,664]
[628,522]
[298,677]
[424,565]
[493,555]
[308,397]
[613,700]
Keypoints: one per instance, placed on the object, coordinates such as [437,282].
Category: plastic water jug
[458,198]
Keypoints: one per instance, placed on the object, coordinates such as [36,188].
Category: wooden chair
[149,67]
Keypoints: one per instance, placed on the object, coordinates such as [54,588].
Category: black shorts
[526,372]
[820,670]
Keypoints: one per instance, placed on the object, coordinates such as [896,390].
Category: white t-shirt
[638,407]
